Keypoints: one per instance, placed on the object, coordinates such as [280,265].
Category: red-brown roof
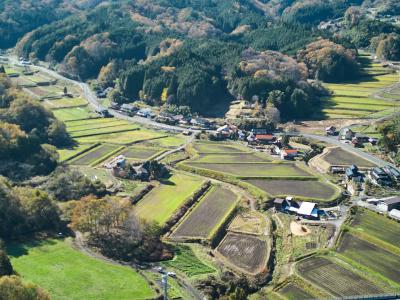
[264,136]
[290,151]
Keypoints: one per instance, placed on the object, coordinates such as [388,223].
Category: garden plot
[292,291]
[312,189]
[255,169]
[251,222]
[336,156]
[247,253]
[95,155]
[378,226]
[231,158]
[206,218]
[371,256]
[335,279]
[163,201]
[219,148]
[187,262]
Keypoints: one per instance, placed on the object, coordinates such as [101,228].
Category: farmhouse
[289,153]
[308,210]
[353,174]
[281,204]
[331,130]
[389,204]
[346,134]
[380,177]
[265,138]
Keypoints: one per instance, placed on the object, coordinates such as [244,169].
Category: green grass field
[161,203]
[187,262]
[66,154]
[66,273]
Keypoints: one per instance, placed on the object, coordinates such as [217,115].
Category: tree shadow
[16,249]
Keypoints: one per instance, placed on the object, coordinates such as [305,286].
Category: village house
[289,154]
[380,177]
[331,130]
[346,134]
[265,138]
[394,214]
[388,204]
[308,210]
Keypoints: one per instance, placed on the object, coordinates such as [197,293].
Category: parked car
[171,274]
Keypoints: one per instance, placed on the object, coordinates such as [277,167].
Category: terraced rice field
[125,137]
[65,103]
[77,113]
[377,226]
[291,291]
[66,154]
[339,157]
[139,153]
[208,215]
[354,99]
[371,256]
[245,252]
[255,169]
[163,201]
[310,188]
[219,148]
[231,158]
[335,279]
[94,155]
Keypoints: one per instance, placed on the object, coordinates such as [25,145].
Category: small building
[362,138]
[115,105]
[281,204]
[331,130]
[289,153]
[389,204]
[380,177]
[352,173]
[129,109]
[308,210]
[265,138]
[201,122]
[140,173]
[394,214]
[145,113]
[346,134]
[104,113]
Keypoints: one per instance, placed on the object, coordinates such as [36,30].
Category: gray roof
[279,201]
[393,200]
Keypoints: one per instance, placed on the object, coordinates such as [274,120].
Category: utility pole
[165,285]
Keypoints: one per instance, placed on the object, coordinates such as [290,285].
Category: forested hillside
[191,53]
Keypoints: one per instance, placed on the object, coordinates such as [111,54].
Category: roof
[279,201]
[395,213]
[306,208]
[265,136]
[392,200]
[290,151]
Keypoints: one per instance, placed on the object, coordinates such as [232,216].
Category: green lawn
[161,203]
[69,274]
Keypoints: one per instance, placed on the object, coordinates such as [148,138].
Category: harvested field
[339,157]
[208,215]
[309,188]
[123,138]
[245,252]
[219,148]
[255,169]
[138,153]
[335,279]
[94,155]
[251,222]
[373,257]
[65,103]
[377,226]
[163,201]
[105,130]
[231,158]
[66,154]
[292,291]
[93,124]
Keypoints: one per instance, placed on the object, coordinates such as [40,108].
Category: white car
[171,274]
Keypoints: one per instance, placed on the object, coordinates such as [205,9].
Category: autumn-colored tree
[389,47]
[12,288]
[329,62]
